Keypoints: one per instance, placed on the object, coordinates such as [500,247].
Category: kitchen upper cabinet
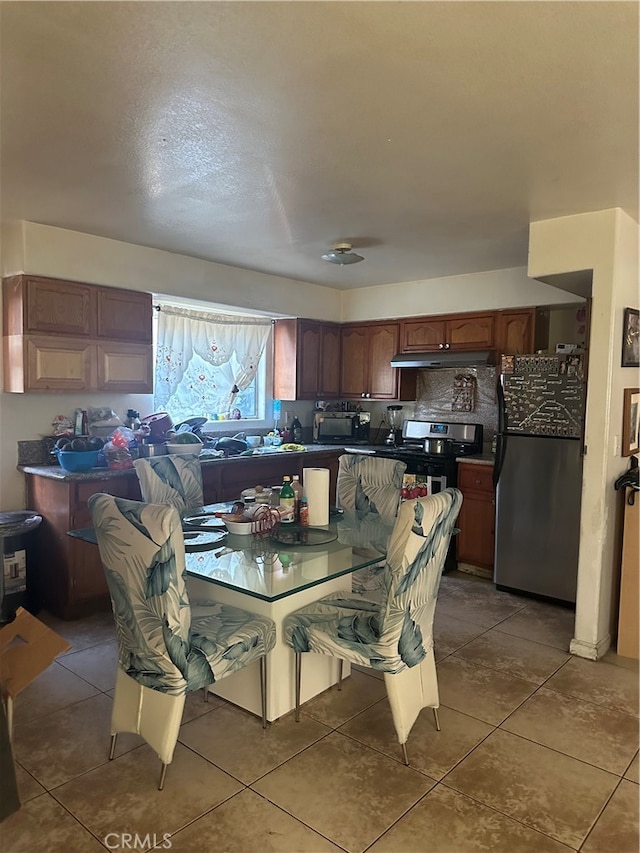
[456,332]
[306,360]
[515,331]
[367,350]
[68,336]
[124,315]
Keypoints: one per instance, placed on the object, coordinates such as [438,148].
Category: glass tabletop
[264,568]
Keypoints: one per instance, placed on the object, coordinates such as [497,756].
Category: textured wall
[435,393]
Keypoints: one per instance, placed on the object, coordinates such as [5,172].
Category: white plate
[203,522]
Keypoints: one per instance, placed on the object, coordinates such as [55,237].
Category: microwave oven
[341,427]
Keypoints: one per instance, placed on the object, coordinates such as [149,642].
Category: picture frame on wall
[631,422]
[631,338]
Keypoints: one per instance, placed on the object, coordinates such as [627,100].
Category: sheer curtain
[235,344]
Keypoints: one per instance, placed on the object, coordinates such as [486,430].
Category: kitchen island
[65,575]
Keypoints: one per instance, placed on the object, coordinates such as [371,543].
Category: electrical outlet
[617,445]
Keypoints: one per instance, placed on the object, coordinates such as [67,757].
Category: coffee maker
[394,419]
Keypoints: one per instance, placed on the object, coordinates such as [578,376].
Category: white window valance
[218,339]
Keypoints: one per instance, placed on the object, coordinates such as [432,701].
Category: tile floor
[538,752]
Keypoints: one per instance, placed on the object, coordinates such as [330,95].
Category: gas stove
[435,442]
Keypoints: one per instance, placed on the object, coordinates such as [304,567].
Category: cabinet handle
[440,346]
[447,346]
[478,482]
[363,394]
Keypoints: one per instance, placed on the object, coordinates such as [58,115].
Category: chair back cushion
[415,559]
[173,480]
[369,483]
[142,551]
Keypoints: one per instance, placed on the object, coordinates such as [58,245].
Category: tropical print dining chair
[373,485]
[394,636]
[170,479]
[164,653]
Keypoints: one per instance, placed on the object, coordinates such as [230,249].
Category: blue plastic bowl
[74,462]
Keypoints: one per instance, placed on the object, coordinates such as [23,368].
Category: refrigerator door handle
[502,414]
[501,449]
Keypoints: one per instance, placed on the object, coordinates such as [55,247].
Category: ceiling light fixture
[341,254]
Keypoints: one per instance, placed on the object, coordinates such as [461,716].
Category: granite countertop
[480,459]
[55,472]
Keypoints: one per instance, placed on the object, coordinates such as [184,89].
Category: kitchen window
[211,365]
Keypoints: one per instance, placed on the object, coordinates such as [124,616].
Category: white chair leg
[112,749]
[340,662]
[263,689]
[298,678]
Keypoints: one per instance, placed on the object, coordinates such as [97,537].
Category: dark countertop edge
[55,472]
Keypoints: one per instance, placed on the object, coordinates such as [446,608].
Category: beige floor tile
[122,795]
[617,826]
[344,790]
[597,735]
[548,791]
[28,787]
[195,705]
[456,580]
[549,624]
[446,821]
[82,633]
[97,664]
[485,608]
[483,693]
[247,823]
[235,741]
[450,633]
[617,660]
[523,658]
[431,751]
[603,683]
[334,707]
[75,739]
[42,824]
[632,771]
[54,689]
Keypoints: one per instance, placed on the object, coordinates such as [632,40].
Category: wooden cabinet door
[354,368]
[515,331]
[475,542]
[423,335]
[383,345]
[470,332]
[124,315]
[329,379]
[125,368]
[308,358]
[59,307]
[58,364]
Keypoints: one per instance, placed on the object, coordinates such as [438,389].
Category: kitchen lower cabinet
[66,575]
[476,522]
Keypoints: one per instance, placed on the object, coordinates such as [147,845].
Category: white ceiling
[256,134]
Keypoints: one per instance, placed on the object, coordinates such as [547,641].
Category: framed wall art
[631,422]
[631,338]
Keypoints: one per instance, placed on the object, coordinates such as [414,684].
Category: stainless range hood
[442,359]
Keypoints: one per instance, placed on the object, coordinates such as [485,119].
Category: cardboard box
[27,648]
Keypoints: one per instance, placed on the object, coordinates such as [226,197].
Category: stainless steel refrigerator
[538,474]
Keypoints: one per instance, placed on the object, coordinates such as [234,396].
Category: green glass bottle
[288,500]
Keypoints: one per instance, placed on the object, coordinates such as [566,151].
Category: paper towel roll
[315,482]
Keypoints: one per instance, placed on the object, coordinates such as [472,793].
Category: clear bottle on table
[296,485]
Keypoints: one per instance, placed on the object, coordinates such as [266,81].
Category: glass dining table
[274,574]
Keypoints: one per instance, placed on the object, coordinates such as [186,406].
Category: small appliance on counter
[341,427]
[394,419]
